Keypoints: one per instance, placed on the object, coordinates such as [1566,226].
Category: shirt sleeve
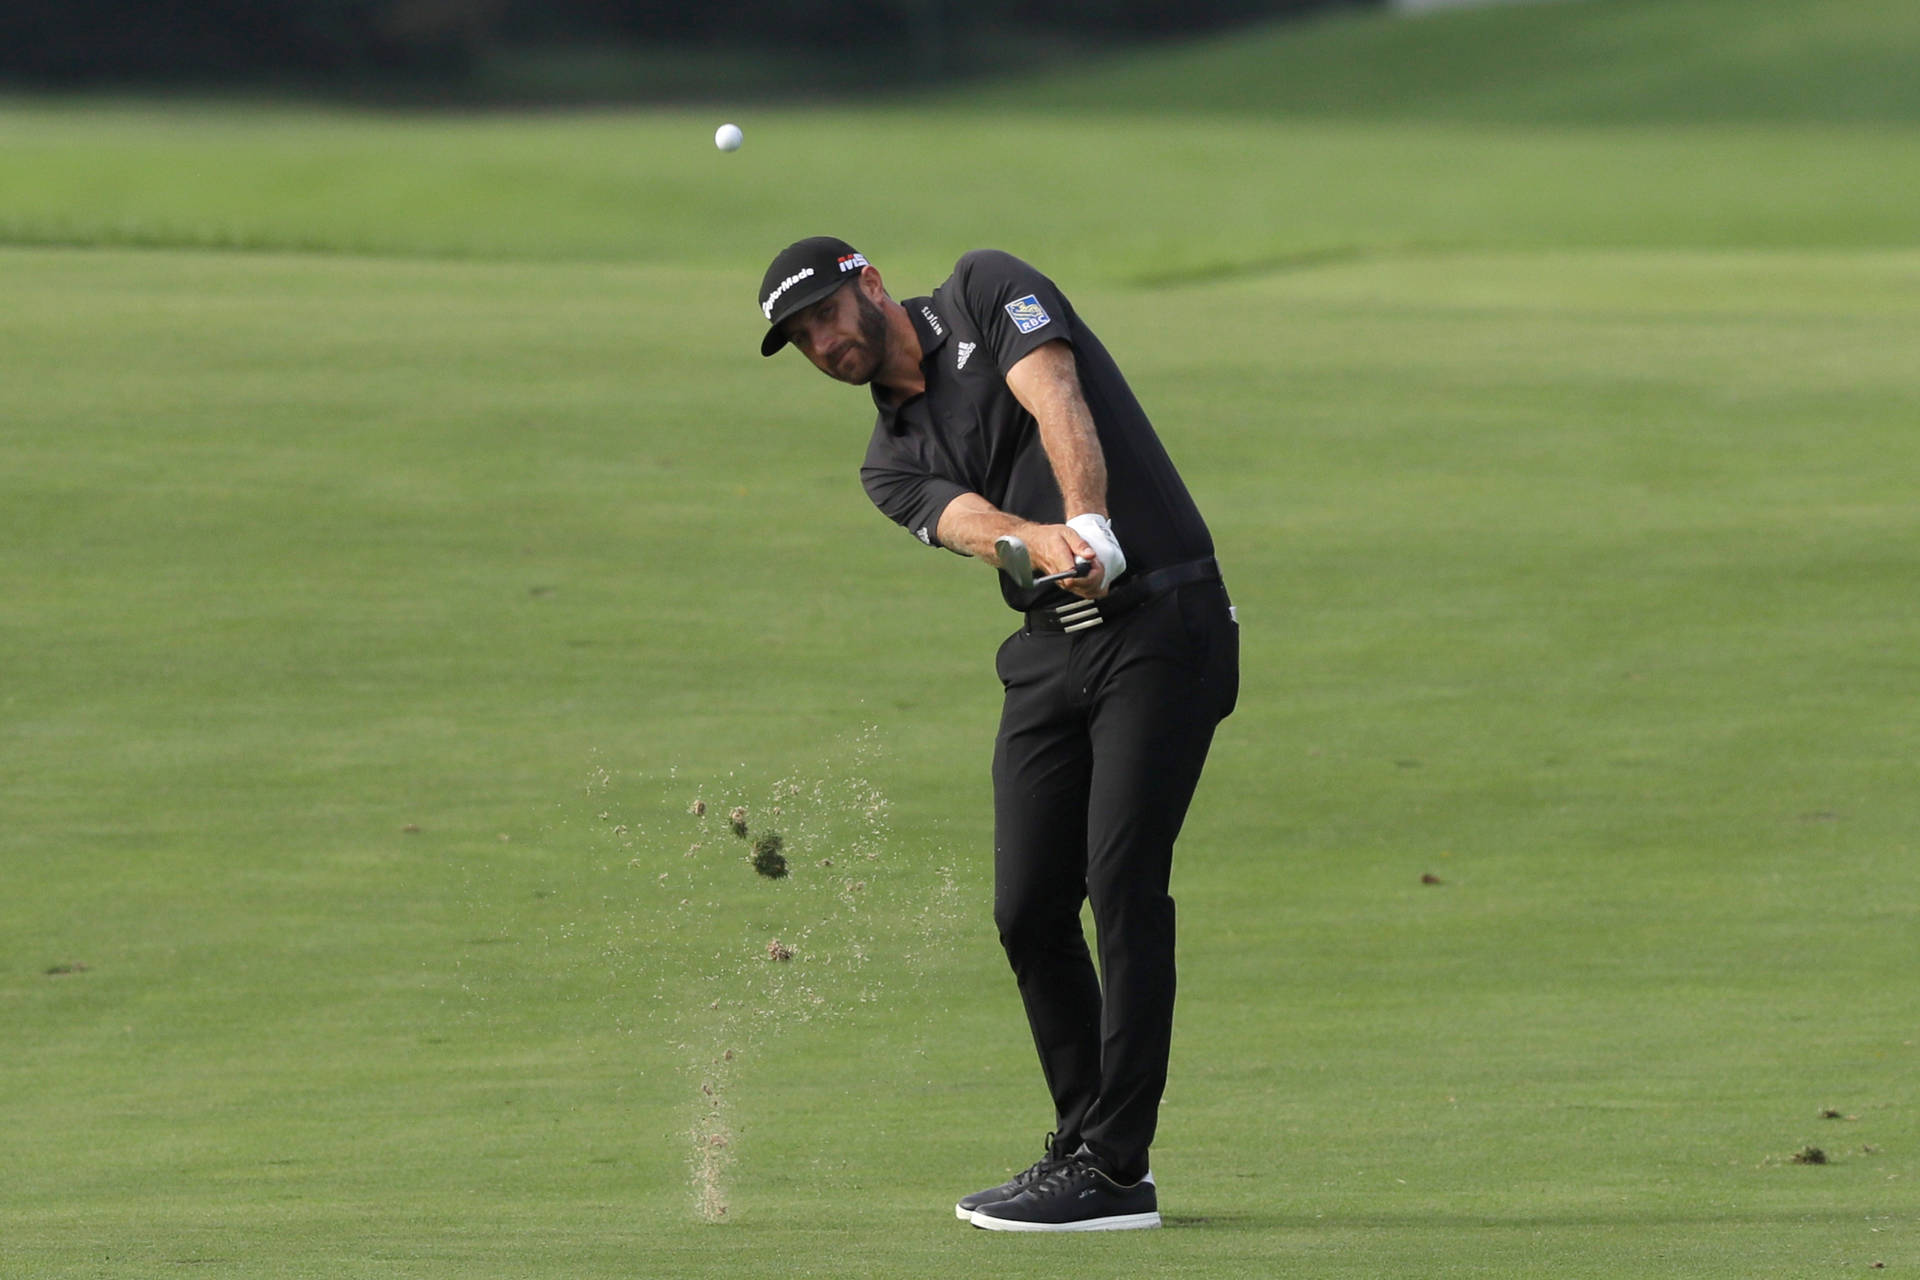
[906,492]
[1015,308]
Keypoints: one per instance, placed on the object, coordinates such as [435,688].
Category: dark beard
[871,345]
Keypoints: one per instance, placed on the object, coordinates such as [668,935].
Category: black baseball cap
[803,273]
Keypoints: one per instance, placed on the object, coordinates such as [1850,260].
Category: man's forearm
[1046,382]
[971,523]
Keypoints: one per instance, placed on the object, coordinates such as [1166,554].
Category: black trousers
[1101,743]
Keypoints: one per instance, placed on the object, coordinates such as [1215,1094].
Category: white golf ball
[728,137]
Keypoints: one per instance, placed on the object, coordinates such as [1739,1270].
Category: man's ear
[872,285]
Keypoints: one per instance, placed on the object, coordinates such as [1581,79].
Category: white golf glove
[1099,535]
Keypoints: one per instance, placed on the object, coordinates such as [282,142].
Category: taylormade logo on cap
[792,280]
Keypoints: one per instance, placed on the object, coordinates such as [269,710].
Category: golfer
[1000,413]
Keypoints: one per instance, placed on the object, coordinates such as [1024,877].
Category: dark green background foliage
[76,42]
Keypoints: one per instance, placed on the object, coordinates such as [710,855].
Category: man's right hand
[1055,548]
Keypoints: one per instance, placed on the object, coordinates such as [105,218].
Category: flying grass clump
[767,858]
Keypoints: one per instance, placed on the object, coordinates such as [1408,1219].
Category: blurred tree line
[79,43]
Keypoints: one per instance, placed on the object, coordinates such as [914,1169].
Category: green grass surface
[1224,197]
[373,616]
[1595,62]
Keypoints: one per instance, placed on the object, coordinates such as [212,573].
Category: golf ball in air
[728,137]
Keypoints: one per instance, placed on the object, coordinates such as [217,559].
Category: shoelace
[1039,1168]
[1062,1176]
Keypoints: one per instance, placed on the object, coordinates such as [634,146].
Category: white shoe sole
[1120,1222]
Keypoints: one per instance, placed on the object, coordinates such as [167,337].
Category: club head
[1015,562]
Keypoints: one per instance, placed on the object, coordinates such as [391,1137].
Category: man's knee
[1037,929]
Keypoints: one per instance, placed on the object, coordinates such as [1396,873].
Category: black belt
[1082,615]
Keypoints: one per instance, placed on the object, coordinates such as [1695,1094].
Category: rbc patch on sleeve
[1028,314]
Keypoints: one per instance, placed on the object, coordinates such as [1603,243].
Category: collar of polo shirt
[932,327]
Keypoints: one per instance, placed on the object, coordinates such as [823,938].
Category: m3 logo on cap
[1028,314]
[852,262]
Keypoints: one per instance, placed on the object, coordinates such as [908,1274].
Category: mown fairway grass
[371,618]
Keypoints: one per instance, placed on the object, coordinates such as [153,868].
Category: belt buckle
[1078,615]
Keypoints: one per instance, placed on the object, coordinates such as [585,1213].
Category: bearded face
[843,334]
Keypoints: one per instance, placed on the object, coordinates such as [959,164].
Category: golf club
[1018,564]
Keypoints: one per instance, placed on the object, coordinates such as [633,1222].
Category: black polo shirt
[968,433]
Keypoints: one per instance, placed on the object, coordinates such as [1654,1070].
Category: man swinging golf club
[1007,433]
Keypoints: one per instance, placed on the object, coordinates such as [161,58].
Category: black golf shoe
[1012,1186]
[1074,1195]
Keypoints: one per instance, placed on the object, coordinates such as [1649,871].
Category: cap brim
[792,305]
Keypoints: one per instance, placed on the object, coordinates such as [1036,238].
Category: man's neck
[900,378]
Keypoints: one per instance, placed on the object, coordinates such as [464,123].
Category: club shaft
[1080,570]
